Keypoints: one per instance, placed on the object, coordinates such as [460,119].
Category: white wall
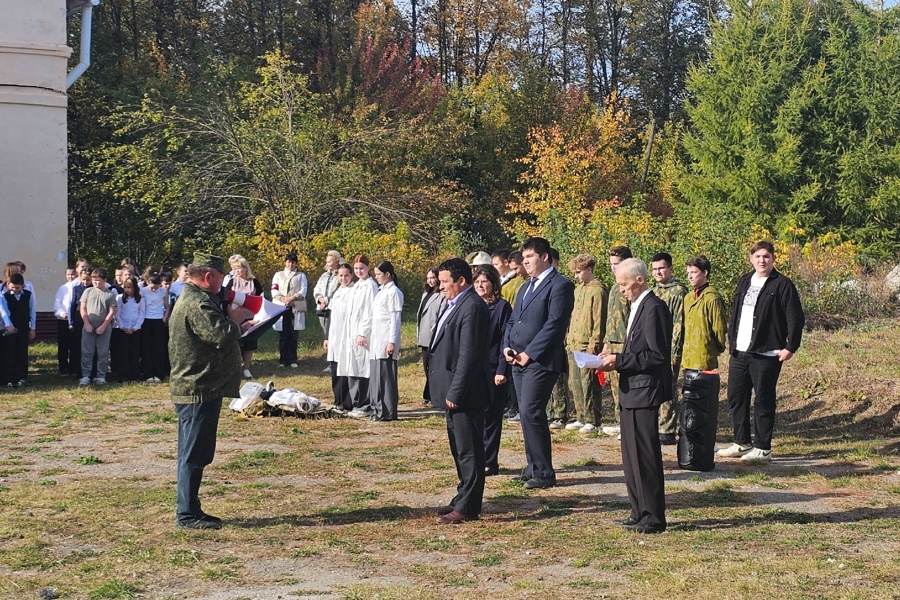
[33,156]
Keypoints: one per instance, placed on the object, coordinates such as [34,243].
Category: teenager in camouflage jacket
[672,292]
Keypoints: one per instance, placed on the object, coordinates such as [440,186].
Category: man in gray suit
[645,375]
[461,382]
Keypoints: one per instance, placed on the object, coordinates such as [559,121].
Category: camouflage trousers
[668,410]
[585,393]
[613,378]
[560,407]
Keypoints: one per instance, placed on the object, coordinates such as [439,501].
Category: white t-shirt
[155,307]
[745,324]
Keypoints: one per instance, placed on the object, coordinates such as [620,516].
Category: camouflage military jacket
[617,313]
[673,293]
[705,329]
[203,349]
[588,324]
[511,288]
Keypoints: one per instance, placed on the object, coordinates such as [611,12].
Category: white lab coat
[340,315]
[386,311]
[353,361]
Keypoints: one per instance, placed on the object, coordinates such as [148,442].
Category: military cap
[202,259]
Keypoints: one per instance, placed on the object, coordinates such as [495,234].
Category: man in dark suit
[460,382]
[645,374]
[534,343]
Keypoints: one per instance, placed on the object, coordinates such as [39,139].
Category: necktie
[530,288]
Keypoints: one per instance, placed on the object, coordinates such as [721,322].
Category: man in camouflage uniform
[705,320]
[206,367]
[617,310]
[560,408]
[586,331]
[672,292]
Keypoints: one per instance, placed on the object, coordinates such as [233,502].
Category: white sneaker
[294,365]
[574,425]
[326,370]
[734,451]
[99,381]
[280,366]
[557,424]
[83,381]
[588,428]
[758,454]
[360,414]
[247,374]
[611,430]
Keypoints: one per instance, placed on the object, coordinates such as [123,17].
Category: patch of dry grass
[339,508]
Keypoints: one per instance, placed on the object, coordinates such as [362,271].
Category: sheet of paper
[587,361]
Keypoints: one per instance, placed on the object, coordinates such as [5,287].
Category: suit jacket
[500,312]
[539,323]
[645,362]
[458,368]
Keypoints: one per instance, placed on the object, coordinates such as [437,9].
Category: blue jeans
[197,426]
[757,373]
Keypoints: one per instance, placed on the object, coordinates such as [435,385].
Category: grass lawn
[338,508]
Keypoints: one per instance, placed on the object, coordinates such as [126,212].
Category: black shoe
[626,522]
[667,439]
[491,471]
[648,529]
[210,518]
[198,523]
[540,482]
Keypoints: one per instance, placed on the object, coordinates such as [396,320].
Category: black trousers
[75,354]
[642,463]
[464,432]
[126,354]
[341,388]
[287,340]
[426,393]
[533,388]
[155,348]
[493,425]
[69,363]
[748,372]
[15,349]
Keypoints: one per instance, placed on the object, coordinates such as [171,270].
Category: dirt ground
[129,451]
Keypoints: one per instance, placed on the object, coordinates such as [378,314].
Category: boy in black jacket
[765,330]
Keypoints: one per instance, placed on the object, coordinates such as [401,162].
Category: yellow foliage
[573,170]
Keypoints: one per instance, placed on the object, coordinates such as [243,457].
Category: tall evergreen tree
[796,118]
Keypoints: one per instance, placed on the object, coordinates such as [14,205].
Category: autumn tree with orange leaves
[576,167]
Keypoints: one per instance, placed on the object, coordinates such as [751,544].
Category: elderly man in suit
[460,381]
[645,376]
[534,343]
